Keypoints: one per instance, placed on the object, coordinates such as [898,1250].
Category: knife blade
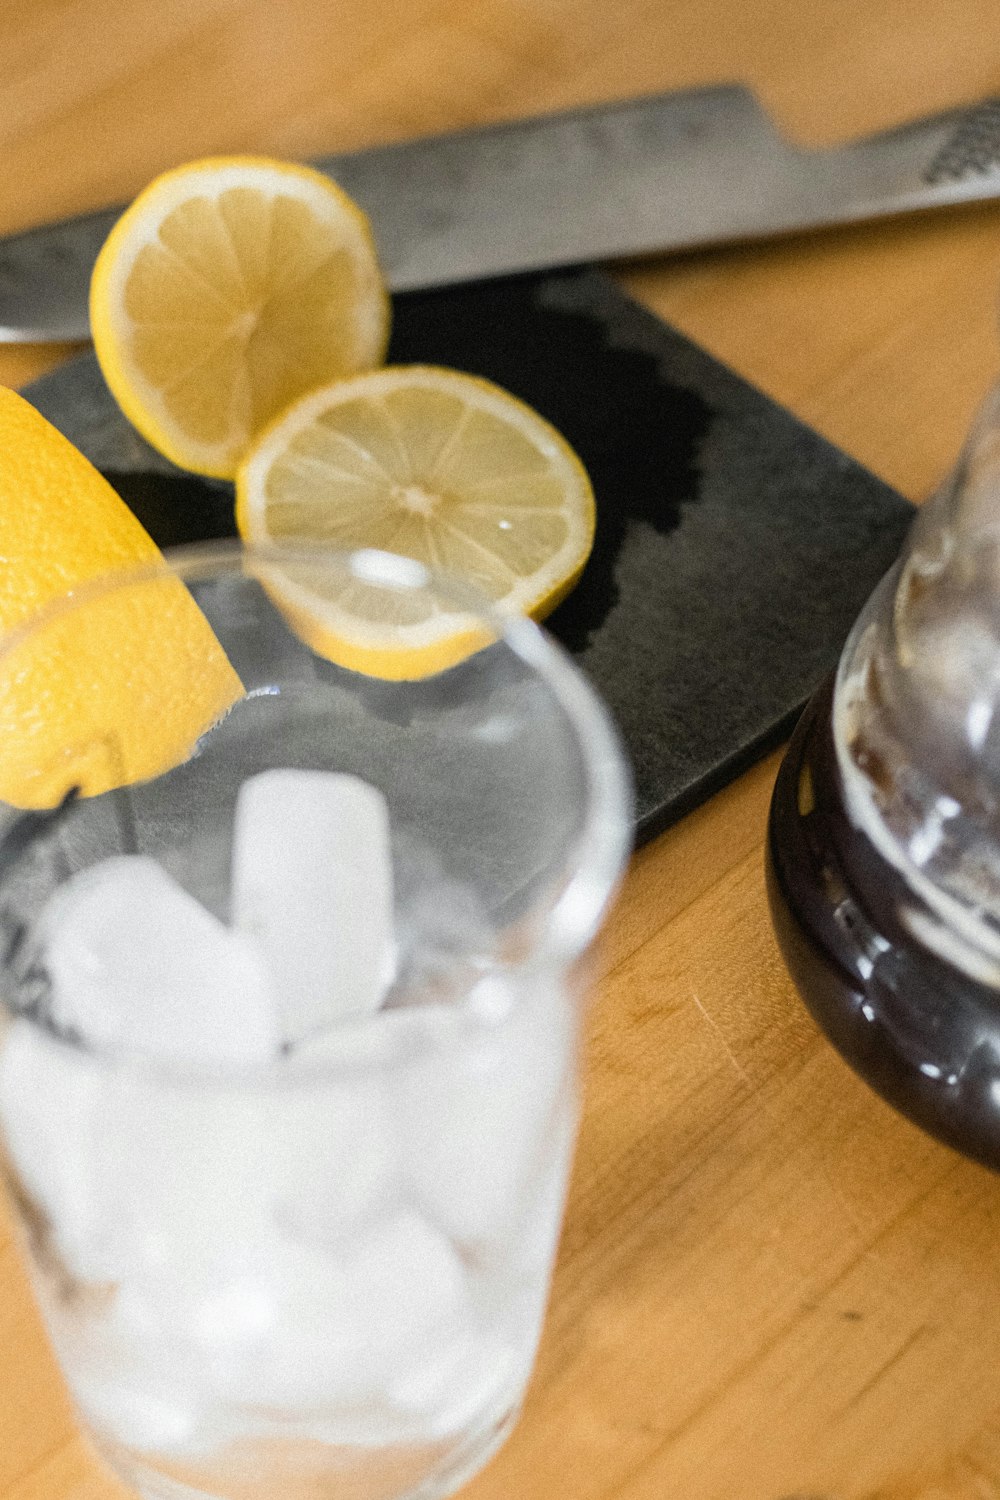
[666,172]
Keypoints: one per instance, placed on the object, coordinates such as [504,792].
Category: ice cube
[348,1327]
[185,1182]
[169,1189]
[312,882]
[49,1096]
[137,963]
[468,1382]
[158,1189]
[331,1156]
[133,1411]
[478,1377]
[473,1116]
[406,1287]
[204,1183]
[158,1192]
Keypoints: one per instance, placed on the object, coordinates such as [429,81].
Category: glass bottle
[883,856]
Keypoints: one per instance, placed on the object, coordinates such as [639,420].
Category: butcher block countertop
[770,1286]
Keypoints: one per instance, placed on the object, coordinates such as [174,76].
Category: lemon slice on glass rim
[118,687]
[430,464]
[228,288]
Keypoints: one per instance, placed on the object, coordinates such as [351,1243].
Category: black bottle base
[918,1030]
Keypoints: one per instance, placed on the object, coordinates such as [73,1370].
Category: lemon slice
[225,291]
[431,464]
[118,689]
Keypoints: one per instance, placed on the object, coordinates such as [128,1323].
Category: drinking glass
[320,1268]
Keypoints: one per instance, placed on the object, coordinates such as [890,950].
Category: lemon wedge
[431,464]
[226,290]
[119,688]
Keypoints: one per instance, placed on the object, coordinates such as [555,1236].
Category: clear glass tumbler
[308,1255]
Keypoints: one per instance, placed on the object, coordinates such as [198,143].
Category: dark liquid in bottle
[918,1029]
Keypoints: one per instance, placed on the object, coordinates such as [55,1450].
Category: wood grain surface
[770,1286]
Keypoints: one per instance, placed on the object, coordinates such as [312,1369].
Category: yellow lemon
[225,291]
[431,464]
[118,689]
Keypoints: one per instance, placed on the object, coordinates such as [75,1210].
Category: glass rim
[598,854]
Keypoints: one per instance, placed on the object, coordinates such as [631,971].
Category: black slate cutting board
[734,546]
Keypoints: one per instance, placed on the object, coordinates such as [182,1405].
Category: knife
[667,172]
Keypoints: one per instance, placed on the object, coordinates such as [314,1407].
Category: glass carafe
[884,837]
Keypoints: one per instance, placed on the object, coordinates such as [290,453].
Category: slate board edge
[727,771]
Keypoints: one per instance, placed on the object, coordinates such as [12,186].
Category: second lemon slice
[431,464]
[227,289]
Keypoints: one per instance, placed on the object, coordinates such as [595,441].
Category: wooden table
[770,1286]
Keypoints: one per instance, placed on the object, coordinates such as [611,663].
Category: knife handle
[973,146]
[948,158]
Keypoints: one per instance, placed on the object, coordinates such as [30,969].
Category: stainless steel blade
[667,172]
